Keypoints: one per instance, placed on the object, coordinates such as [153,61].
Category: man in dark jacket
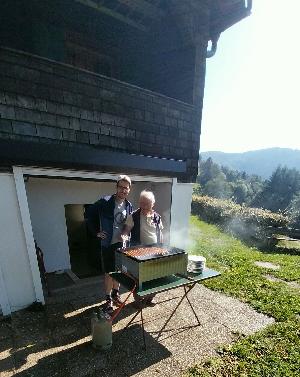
[105,220]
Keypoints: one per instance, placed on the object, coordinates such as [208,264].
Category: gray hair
[148,195]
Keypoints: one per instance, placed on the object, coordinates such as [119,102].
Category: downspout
[214,44]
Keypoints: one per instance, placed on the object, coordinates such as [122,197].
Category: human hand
[124,237]
[101,235]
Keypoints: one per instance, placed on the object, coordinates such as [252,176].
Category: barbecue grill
[151,262]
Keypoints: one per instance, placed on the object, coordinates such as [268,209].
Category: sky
[252,88]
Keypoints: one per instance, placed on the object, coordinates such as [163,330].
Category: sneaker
[149,302]
[107,307]
[116,300]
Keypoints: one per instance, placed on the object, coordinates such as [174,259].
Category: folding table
[162,285]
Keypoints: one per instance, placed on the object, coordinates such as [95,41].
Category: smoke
[180,237]
[242,230]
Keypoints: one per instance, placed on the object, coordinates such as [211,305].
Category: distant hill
[261,162]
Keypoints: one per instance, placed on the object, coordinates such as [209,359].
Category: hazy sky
[252,90]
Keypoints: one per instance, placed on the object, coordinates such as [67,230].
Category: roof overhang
[143,14]
[226,13]
[85,157]
[140,14]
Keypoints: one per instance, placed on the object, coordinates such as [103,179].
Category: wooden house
[90,89]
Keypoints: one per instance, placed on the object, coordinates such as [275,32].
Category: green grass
[274,351]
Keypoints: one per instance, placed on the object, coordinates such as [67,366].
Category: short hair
[147,195]
[125,178]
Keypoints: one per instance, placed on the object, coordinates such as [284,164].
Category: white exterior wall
[17,283]
[180,214]
[47,198]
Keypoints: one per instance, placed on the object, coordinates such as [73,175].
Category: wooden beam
[112,13]
[144,8]
[28,233]
[87,175]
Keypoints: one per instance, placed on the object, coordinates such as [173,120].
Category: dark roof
[226,13]
[143,14]
[83,157]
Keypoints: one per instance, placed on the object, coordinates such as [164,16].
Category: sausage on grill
[142,251]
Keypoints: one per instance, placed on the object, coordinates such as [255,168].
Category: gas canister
[101,331]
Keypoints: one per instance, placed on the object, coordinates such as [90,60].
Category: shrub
[249,224]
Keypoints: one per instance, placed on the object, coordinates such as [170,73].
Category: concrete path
[57,342]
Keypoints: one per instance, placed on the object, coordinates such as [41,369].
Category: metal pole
[100,245]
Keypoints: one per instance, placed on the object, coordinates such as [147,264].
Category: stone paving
[57,341]
[268,265]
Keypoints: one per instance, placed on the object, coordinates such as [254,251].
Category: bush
[249,224]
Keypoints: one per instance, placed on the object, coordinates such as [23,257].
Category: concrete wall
[15,267]
[47,198]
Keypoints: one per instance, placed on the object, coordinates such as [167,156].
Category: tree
[223,182]
[293,210]
[197,189]
[279,190]
[218,187]
[208,171]
[240,192]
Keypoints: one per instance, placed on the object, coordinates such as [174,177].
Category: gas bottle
[101,331]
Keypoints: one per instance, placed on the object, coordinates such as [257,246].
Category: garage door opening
[84,250]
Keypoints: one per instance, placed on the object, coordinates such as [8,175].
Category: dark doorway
[83,247]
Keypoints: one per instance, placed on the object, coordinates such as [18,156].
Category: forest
[280,193]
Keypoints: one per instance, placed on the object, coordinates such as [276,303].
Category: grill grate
[141,253]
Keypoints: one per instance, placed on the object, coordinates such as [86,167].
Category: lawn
[274,351]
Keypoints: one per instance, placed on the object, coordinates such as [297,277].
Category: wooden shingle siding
[44,100]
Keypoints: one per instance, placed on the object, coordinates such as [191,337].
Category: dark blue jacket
[100,216]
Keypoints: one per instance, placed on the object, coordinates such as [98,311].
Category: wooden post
[27,228]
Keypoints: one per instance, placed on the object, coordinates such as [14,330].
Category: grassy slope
[276,350]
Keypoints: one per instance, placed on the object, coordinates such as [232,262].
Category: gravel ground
[57,341]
